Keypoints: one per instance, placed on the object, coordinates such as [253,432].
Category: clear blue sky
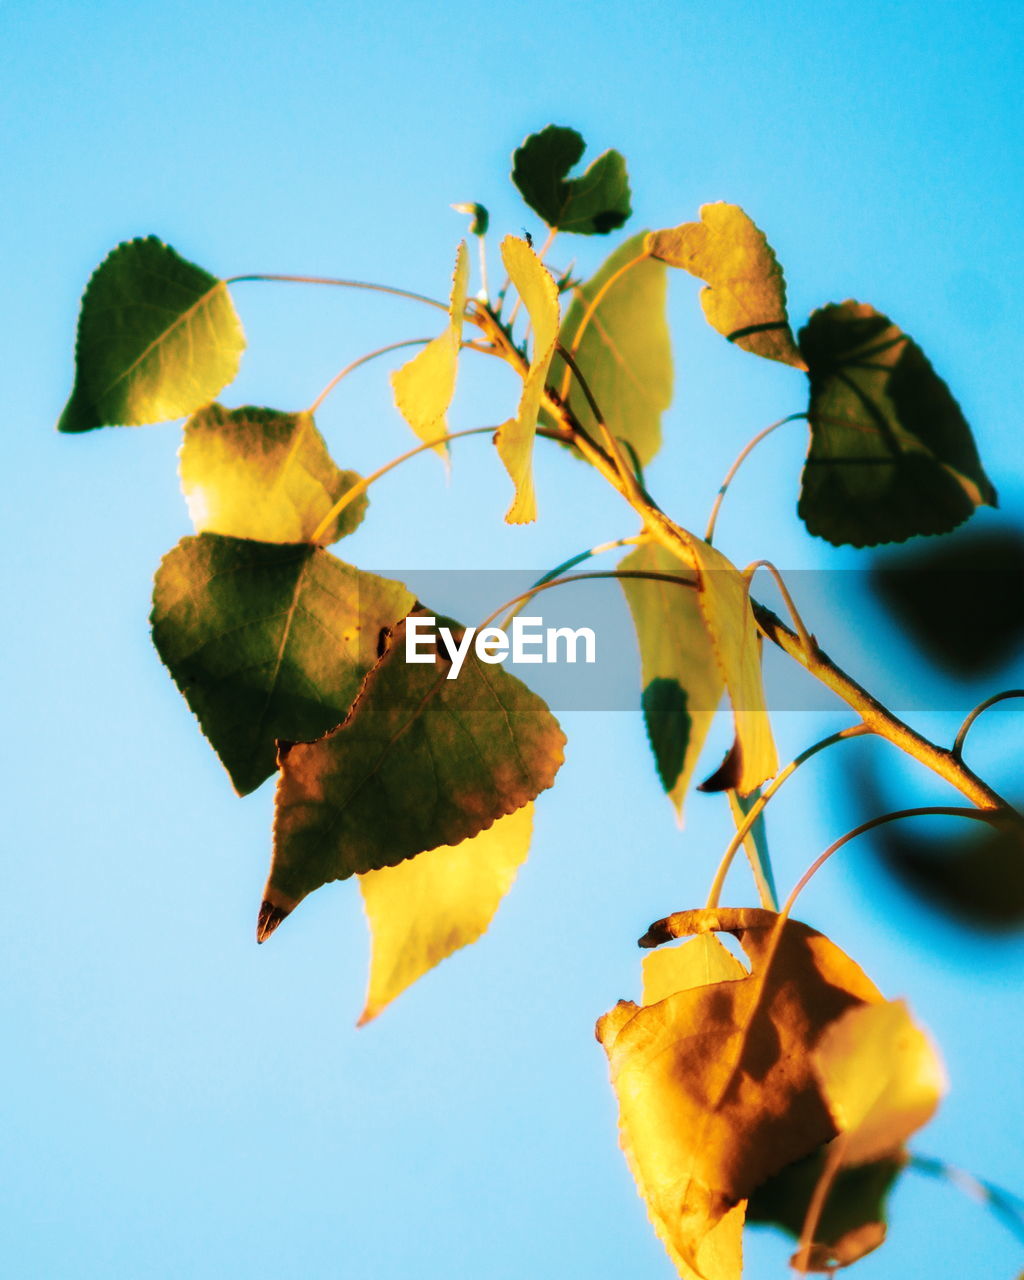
[177,1102]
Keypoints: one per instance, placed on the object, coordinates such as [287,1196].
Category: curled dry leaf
[716,1087]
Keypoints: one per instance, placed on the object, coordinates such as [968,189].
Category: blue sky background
[177,1102]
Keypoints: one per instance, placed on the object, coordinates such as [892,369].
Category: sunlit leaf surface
[431,905]
[881,1078]
[420,761]
[624,352]
[745,295]
[891,454]
[425,385]
[715,1083]
[593,204]
[539,293]
[158,337]
[267,641]
[258,473]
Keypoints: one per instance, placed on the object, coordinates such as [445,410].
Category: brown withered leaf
[715,1083]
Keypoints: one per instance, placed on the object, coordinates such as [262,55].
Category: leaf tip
[269,918]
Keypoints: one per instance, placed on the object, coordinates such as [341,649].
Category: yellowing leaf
[421,760]
[696,963]
[724,603]
[682,682]
[881,1078]
[514,440]
[424,909]
[745,295]
[424,387]
[624,353]
[157,338]
[267,641]
[260,474]
[715,1083]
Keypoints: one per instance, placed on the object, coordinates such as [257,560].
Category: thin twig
[730,475]
[961,737]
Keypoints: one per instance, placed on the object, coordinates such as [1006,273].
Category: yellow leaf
[881,1077]
[263,475]
[745,295]
[698,962]
[715,1083]
[724,603]
[539,293]
[428,907]
[425,385]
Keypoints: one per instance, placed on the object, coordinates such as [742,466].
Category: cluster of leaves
[733,1082]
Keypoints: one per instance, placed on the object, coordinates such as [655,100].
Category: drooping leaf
[715,1083]
[424,386]
[431,905]
[593,204]
[421,761]
[514,440]
[258,473]
[723,598]
[881,1078]
[682,682]
[158,337]
[745,294]
[853,1219]
[267,641]
[891,454]
[961,599]
[623,352]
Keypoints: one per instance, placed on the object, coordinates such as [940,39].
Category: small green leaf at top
[158,338]
[258,473]
[267,642]
[593,204]
[891,454]
[624,352]
[423,759]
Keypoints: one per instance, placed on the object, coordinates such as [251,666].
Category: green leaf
[853,1218]
[429,906]
[424,386]
[514,440]
[267,642]
[422,760]
[158,338]
[593,204]
[745,296]
[623,352]
[891,454]
[682,682]
[258,473]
